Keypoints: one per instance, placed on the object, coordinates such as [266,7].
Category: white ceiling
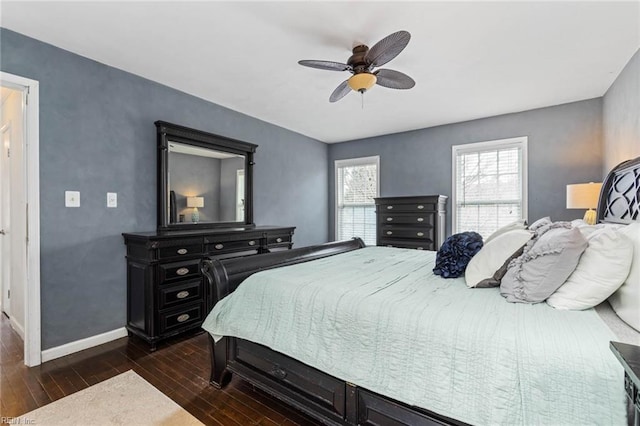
[469,59]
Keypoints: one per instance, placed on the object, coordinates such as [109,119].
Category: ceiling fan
[362,63]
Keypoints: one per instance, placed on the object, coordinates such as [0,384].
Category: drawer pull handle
[389,207]
[252,243]
[278,372]
[419,248]
[420,219]
[182,271]
[183,317]
[219,246]
[420,207]
[389,232]
[183,251]
[278,240]
[182,294]
[389,219]
[420,234]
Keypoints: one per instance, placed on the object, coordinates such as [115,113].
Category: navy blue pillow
[455,254]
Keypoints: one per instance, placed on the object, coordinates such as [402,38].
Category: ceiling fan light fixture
[362,63]
[362,82]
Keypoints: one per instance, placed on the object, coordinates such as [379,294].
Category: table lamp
[584,196]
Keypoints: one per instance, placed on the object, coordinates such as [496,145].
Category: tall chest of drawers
[411,222]
[166,292]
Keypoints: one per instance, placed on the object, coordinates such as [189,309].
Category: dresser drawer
[278,239]
[183,317]
[407,207]
[179,270]
[231,246]
[425,233]
[374,410]
[411,244]
[322,389]
[422,219]
[177,294]
[180,250]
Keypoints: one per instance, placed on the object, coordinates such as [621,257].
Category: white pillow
[518,224]
[626,301]
[587,229]
[578,223]
[602,269]
[494,254]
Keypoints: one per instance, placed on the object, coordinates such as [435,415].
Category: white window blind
[356,188]
[489,185]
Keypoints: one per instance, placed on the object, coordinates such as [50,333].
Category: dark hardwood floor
[178,368]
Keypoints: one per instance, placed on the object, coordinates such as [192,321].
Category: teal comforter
[379,318]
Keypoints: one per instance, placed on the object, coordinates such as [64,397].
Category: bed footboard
[224,276]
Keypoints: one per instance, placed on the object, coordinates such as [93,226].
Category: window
[489,185]
[240,195]
[356,187]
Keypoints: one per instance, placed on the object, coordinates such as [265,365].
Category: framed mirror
[204,180]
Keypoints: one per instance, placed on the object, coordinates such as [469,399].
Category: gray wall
[191,176]
[565,146]
[97,135]
[621,111]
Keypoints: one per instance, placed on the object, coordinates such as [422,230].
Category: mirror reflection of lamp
[195,202]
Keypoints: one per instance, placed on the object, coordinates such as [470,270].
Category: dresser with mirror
[205,210]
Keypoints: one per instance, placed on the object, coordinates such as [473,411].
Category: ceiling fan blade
[387,48]
[325,65]
[394,79]
[341,91]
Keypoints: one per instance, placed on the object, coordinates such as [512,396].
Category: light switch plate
[72,198]
[112,199]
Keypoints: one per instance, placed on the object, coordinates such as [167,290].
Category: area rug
[126,399]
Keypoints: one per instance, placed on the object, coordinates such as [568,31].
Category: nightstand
[629,357]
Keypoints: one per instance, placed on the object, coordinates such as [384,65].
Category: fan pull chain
[362,99]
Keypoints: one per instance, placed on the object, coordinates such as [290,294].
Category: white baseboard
[17,327]
[82,344]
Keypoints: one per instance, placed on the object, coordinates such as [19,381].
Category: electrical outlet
[72,198]
[112,199]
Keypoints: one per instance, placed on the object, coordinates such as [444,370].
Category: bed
[368,335]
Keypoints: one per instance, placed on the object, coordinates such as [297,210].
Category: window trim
[521,141]
[358,161]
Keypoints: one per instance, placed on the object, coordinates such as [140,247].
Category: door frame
[31,99]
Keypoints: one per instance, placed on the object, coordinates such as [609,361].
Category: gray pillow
[545,265]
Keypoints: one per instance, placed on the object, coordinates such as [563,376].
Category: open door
[5,200]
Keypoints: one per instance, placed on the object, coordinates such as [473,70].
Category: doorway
[12,197]
[19,211]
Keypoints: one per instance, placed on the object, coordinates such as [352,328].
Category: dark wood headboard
[620,194]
